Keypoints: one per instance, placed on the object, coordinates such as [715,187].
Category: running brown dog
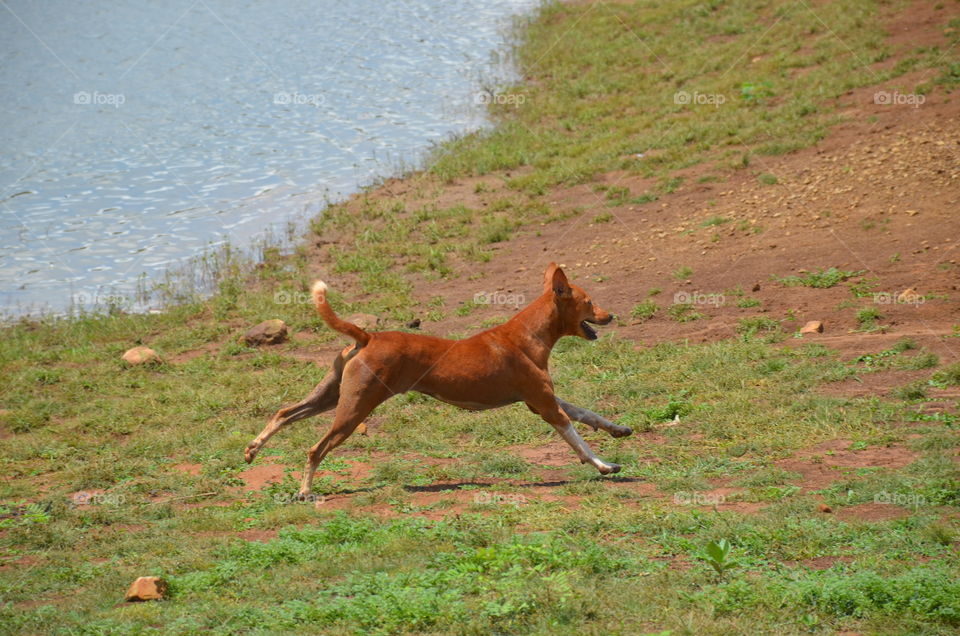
[496,367]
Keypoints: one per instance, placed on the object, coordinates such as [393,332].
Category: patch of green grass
[922,360]
[904,344]
[683,312]
[949,375]
[913,391]
[467,307]
[890,357]
[645,310]
[603,217]
[864,288]
[714,221]
[617,195]
[759,326]
[507,567]
[868,318]
[587,111]
[823,279]
[683,272]
[767,477]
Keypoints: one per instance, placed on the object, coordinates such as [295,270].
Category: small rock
[814,326]
[146,588]
[267,332]
[909,296]
[414,324]
[140,355]
[824,508]
[364,321]
[756,287]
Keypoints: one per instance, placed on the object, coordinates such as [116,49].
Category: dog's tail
[319,291]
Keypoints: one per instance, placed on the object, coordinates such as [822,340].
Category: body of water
[138,134]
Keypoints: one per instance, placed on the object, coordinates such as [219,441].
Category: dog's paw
[250,453]
[621,431]
[609,469]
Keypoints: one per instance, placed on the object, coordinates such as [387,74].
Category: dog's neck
[536,329]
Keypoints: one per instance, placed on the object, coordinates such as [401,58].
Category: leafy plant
[672,410]
[864,288]
[717,556]
[24,514]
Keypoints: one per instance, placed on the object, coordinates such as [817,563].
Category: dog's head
[577,311]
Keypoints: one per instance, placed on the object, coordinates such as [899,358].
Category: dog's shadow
[464,485]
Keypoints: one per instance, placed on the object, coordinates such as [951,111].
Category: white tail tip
[319,288]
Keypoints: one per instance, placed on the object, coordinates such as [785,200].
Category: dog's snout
[600,317]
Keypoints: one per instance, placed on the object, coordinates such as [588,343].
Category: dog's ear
[560,284]
[548,277]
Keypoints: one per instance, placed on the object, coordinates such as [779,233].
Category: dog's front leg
[553,415]
[593,420]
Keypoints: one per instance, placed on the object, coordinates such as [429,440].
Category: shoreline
[394,135]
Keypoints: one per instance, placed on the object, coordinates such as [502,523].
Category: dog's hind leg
[323,398]
[360,395]
[593,420]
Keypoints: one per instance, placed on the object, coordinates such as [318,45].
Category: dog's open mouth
[589,331]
